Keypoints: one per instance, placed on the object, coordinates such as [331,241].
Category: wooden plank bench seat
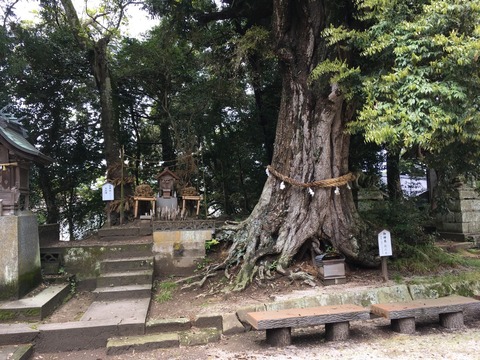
[450,310]
[278,323]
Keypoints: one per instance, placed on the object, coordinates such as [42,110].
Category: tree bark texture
[101,73]
[310,145]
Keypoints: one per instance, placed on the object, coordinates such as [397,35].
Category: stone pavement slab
[16,352]
[127,310]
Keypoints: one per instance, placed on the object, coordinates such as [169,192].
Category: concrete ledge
[17,334]
[80,335]
[37,307]
[117,346]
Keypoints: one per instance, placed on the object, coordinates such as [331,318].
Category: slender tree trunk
[108,119]
[310,145]
[393,175]
[49,195]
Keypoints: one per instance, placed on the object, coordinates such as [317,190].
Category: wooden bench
[402,315]
[278,323]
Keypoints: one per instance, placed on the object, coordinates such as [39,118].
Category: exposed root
[200,283]
[305,277]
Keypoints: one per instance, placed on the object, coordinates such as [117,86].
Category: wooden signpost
[385,249]
[108,195]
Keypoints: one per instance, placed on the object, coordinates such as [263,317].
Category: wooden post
[109,215]
[122,213]
[384,268]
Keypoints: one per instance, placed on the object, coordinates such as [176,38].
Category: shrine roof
[13,137]
[167,172]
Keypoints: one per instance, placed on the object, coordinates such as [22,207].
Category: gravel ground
[368,340]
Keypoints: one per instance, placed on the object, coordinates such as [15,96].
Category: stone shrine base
[20,271]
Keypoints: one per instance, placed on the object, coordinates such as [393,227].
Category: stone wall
[463,220]
[178,252]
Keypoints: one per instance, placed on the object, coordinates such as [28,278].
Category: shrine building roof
[13,137]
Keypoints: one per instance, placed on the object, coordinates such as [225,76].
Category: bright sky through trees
[139,20]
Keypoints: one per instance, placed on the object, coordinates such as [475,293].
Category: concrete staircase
[122,299]
[116,319]
[125,279]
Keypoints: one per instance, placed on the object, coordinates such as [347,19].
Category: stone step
[83,335]
[130,344]
[11,334]
[121,265]
[16,352]
[156,326]
[113,293]
[125,278]
[36,307]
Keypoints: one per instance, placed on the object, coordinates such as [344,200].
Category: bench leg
[404,326]
[279,337]
[452,320]
[337,331]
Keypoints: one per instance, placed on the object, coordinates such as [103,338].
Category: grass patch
[165,291]
[426,258]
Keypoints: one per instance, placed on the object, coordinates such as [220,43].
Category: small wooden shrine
[166,183]
[16,156]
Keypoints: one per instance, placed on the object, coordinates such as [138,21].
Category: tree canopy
[219,90]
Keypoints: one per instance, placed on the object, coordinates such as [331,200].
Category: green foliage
[427,95]
[404,219]
[209,244]
[165,291]
[420,77]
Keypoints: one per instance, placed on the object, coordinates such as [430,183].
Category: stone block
[199,337]
[466,193]
[168,325]
[231,324]
[209,321]
[467,216]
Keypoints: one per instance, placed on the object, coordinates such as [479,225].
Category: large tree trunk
[108,119]
[310,145]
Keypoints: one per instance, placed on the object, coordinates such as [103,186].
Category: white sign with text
[107,192]
[385,243]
